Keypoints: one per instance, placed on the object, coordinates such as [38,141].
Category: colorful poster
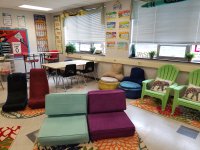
[111,35]
[124,25]
[111,15]
[41,32]
[124,14]
[21,21]
[111,25]
[124,35]
[110,45]
[58,33]
[7,19]
[16,46]
[17,38]
[117,5]
[122,45]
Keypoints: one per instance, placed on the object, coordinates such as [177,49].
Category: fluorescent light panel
[35,7]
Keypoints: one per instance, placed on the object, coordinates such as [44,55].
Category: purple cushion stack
[106,116]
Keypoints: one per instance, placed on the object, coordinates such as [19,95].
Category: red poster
[17,38]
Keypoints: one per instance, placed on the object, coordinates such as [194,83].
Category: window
[85,31]
[196,51]
[142,49]
[176,52]
[168,25]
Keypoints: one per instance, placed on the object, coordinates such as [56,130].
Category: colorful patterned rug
[23,114]
[183,114]
[126,143]
[7,136]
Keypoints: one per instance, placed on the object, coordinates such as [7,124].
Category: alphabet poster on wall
[41,32]
[17,38]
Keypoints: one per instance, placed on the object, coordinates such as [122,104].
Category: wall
[19,64]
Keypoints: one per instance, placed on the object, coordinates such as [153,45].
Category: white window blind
[169,23]
[86,28]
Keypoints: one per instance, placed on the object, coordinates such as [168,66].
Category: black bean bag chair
[17,92]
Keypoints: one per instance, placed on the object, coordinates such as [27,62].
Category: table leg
[56,79]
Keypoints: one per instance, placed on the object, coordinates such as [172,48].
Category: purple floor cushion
[109,125]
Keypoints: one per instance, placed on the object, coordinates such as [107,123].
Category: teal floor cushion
[66,122]
[64,130]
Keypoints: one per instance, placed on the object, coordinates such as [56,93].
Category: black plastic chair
[17,92]
[89,68]
[70,71]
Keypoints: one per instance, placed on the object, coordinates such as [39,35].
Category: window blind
[85,28]
[169,23]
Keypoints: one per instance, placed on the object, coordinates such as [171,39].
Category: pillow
[160,85]
[192,93]
[117,68]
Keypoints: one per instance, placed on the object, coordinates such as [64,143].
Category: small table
[61,65]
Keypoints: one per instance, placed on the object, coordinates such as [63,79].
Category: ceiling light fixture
[35,7]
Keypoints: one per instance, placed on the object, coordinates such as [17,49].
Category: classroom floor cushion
[66,122]
[110,125]
[108,83]
[106,116]
[64,130]
[39,88]
[132,89]
[17,92]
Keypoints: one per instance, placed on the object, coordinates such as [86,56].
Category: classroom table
[61,65]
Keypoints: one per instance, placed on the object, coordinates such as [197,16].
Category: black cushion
[17,92]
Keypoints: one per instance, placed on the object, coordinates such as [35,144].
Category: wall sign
[7,20]
[41,32]
[58,33]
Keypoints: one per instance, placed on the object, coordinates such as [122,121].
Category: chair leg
[1,84]
[94,76]
[84,79]
[164,103]
[173,107]
[63,83]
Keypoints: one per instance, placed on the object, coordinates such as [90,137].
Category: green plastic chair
[166,72]
[194,78]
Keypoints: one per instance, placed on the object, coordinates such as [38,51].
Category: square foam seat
[64,130]
[66,122]
[110,125]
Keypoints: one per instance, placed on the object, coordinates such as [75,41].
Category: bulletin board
[17,38]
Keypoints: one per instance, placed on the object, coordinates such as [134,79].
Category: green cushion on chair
[66,103]
[64,130]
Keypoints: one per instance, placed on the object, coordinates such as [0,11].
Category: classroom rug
[182,114]
[23,114]
[124,143]
[7,136]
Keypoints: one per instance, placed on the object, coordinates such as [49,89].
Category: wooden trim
[186,67]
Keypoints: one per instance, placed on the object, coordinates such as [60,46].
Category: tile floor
[158,133]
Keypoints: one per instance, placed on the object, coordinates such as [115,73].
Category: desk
[60,65]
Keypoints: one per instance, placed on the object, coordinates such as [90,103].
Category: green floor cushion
[192,93]
[64,130]
[70,103]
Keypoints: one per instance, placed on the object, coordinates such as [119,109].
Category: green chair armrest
[178,91]
[180,88]
[148,81]
[173,86]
